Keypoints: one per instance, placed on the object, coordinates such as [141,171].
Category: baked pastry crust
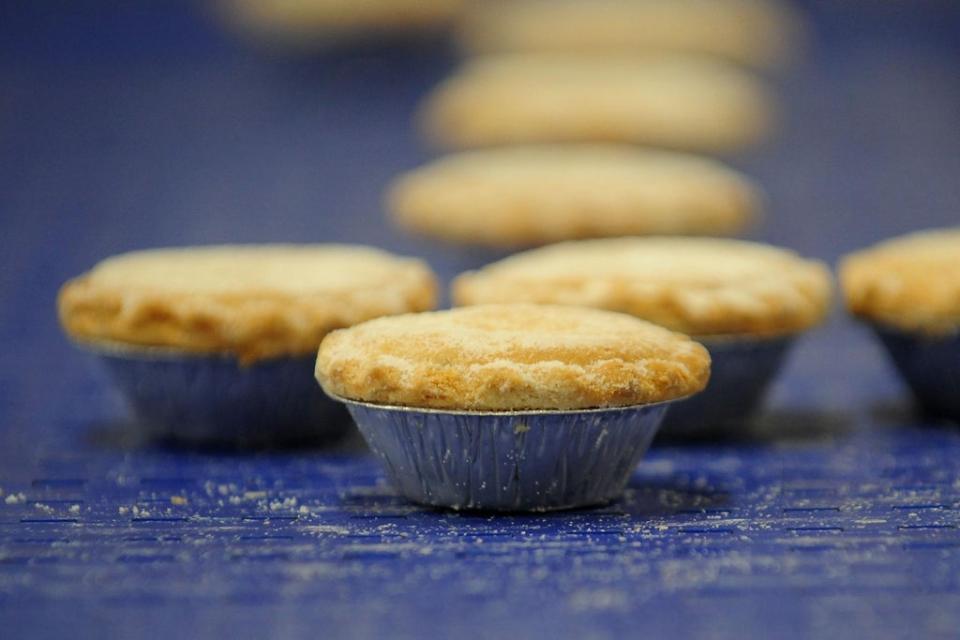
[251,301]
[700,286]
[911,282]
[677,102]
[762,33]
[511,357]
[526,196]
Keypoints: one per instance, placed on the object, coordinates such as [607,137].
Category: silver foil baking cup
[454,259]
[740,374]
[930,365]
[508,461]
[213,400]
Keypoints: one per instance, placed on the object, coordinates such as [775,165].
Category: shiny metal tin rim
[501,414]
[116,348]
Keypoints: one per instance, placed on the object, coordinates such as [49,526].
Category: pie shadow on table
[646,498]
[127,435]
[777,426]
[906,413]
[643,498]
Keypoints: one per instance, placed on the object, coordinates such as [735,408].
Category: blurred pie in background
[527,196]
[679,102]
[683,102]
[758,33]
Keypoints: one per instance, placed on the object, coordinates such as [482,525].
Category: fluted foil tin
[740,374]
[508,461]
[214,400]
[930,365]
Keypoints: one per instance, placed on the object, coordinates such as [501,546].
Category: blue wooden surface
[125,125]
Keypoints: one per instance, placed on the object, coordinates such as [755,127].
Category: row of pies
[545,385]
[663,73]
[571,120]
[554,356]
[658,73]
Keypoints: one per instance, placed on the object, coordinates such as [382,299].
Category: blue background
[133,124]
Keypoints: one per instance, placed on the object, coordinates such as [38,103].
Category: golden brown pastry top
[251,301]
[700,286]
[527,196]
[755,32]
[911,282]
[678,102]
[511,357]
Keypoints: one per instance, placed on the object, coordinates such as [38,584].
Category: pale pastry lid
[761,33]
[253,301]
[532,195]
[701,286]
[693,103]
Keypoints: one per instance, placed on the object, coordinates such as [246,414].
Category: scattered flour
[286,503]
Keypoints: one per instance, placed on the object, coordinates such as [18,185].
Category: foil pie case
[213,400]
[930,365]
[508,461]
[740,374]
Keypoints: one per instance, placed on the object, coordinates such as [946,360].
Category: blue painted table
[124,125]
